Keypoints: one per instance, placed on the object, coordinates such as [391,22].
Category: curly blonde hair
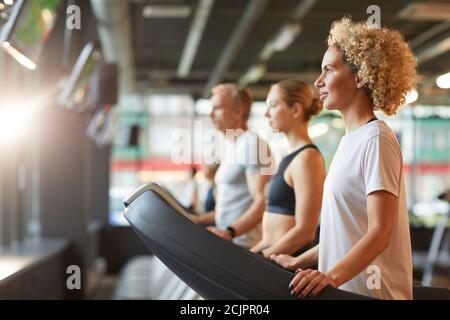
[382,59]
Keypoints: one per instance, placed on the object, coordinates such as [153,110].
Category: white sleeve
[256,154]
[382,165]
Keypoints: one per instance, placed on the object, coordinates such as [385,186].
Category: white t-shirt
[233,196]
[189,192]
[368,159]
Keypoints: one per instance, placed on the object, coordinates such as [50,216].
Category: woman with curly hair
[364,244]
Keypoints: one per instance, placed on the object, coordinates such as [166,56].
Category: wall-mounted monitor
[102,126]
[5,12]
[76,92]
[27,29]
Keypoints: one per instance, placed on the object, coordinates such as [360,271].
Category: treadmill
[215,268]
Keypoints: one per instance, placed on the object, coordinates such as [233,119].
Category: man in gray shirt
[243,172]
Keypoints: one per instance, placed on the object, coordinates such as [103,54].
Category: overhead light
[9,2]
[253,75]
[425,11]
[411,96]
[285,37]
[281,42]
[198,26]
[438,48]
[443,81]
[267,52]
[165,11]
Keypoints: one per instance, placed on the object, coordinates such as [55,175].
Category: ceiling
[236,31]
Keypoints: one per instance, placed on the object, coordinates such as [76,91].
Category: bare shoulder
[306,167]
[308,159]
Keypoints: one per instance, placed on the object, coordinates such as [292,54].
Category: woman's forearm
[290,242]
[308,258]
[359,257]
[205,219]
[252,217]
[260,246]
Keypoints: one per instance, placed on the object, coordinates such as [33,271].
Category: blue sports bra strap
[287,160]
[306,146]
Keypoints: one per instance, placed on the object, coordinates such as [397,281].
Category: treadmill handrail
[420,293]
[161,192]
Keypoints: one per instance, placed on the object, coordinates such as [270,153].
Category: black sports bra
[281,197]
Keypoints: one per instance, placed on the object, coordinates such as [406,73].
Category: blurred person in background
[240,179]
